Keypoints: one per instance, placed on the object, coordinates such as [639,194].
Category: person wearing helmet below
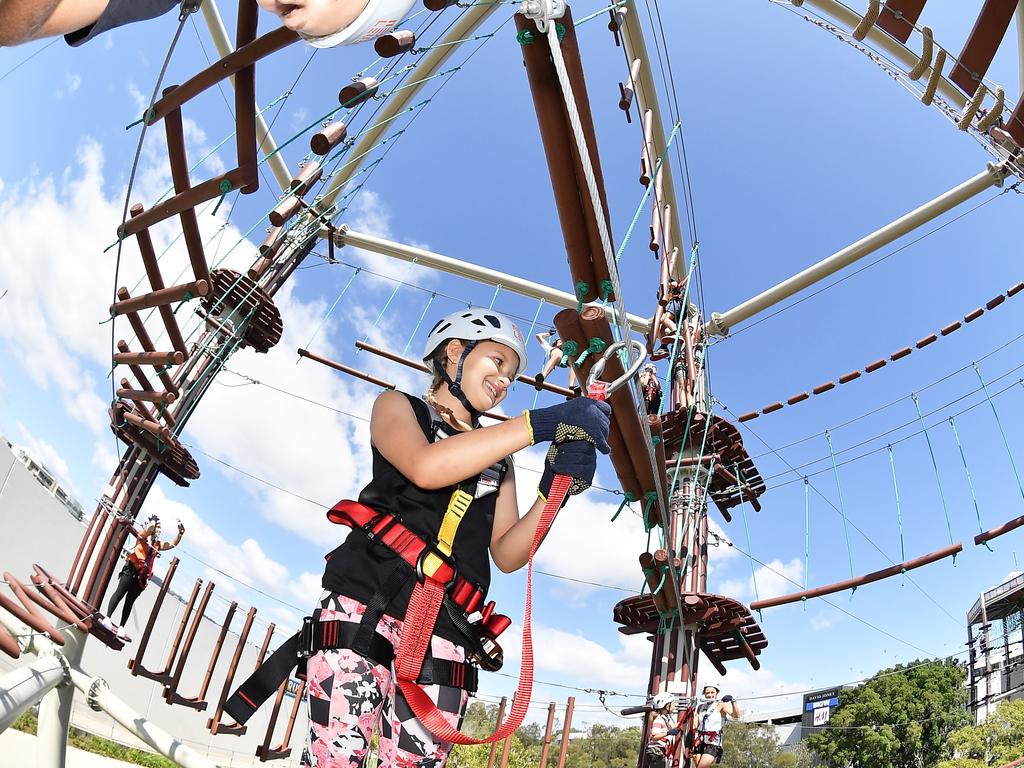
[664,729]
[423,449]
[709,718]
[322,23]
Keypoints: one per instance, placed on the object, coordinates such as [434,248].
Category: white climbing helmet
[379,17]
[663,700]
[476,324]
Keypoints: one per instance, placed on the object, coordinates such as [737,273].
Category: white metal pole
[646,95]
[1020,44]
[992,176]
[264,139]
[24,686]
[101,699]
[428,64]
[511,283]
[55,708]
[891,47]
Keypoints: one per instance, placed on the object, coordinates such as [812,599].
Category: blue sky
[796,145]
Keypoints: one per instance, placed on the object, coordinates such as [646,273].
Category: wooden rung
[140,406]
[272,241]
[357,91]
[328,137]
[307,177]
[186,201]
[898,18]
[147,396]
[173,334]
[980,49]
[285,210]
[395,43]
[122,347]
[163,297]
[154,428]
[626,92]
[149,358]
[647,160]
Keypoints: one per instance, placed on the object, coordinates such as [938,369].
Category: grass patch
[100,746]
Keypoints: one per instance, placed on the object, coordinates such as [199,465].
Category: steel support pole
[55,707]
[1020,45]
[646,95]
[428,64]
[24,686]
[265,141]
[470,271]
[889,46]
[992,176]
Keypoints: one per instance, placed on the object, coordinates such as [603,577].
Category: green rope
[647,193]
[899,507]
[494,297]
[416,330]
[569,351]
[1002,433]
[967,472]
[225,187]
[602,12]
[842,502]
[582,289]
[595,347]
[627,497]
[807,530]
[746,530]
[387,304]
[935,464]
[607,289]
[335,304]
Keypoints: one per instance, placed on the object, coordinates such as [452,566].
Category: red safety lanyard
[418,628]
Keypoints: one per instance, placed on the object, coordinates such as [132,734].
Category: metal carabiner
[600,390]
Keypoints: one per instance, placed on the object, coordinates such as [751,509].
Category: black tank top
[359,568]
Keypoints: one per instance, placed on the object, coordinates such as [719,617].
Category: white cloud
[772,579]
[367,213]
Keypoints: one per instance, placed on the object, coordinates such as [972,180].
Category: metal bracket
[542,11]
[188,7]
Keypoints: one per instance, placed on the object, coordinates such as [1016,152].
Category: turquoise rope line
[1006,443]
[387,304]
[842,502]
[332,307]
[602,12]
[935,464]
[967,472]
[416,330]
[807,530]
[494,296]
[647,193]
[529,335]
[899,507]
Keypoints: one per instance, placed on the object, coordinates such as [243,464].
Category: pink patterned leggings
[350,697]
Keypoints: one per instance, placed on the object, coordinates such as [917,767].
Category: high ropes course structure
[185,328]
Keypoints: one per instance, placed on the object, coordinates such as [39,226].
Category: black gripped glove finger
[577,459]
[727,699]
[578,419]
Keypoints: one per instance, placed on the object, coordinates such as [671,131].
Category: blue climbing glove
[577,459]
[578,419]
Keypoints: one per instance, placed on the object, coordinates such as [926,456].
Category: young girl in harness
[409,583]
[709,719]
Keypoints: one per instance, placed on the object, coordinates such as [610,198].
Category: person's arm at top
[25,20]
[164,546]
[395,432]
[730,709]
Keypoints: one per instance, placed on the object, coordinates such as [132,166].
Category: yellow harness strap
[458,505]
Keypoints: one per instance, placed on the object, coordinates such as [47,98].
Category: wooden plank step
[898,18]
[976,57]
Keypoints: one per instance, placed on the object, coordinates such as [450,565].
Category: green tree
[900,718]
[998,740]
[756,745]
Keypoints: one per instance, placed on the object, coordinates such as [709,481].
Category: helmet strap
[455,387]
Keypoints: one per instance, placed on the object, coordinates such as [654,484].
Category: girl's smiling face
[487,372]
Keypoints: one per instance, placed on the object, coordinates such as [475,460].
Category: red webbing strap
[418,626]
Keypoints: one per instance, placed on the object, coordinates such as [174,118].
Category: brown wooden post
[214,723]
[566,727]
[494,745]
[171,692]
[547,736]
[136,664]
